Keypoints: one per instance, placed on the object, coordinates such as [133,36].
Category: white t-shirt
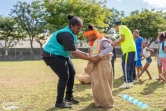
[146,53]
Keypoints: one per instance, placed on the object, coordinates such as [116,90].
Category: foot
[72,100]
[150,78]
[125,85]
[162,77]
[131,84]
[63,105]
[158,79]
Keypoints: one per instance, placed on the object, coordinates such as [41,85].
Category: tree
[41,39]
[115,15]
[90,11]
[10,32]
[30,18]
[149,22]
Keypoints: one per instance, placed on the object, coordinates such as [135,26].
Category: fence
[20,54]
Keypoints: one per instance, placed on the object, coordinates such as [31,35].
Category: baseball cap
[118,22]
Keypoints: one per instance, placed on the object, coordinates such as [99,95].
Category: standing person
[162,54]
[138,41]
[159,64]
[113,58]
[56,54]
[128,48]
[101,72]
[146,53]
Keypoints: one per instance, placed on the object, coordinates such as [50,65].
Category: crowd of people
[99,71]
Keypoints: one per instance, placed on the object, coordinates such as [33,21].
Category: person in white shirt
[146,54]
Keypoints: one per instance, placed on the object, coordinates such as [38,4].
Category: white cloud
[156,3]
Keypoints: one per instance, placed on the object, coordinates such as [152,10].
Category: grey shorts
[159,63]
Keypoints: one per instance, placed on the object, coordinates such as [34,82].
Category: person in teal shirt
[56,54]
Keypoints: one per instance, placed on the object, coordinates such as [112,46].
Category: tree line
[36,20]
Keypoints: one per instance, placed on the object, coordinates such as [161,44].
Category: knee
[64,78]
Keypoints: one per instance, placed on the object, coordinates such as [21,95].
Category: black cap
[118,22]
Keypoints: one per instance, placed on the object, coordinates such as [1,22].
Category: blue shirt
[138,42]
[162,54]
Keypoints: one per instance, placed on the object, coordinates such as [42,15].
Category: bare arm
[82,52]
[151,51]
[119,41]
[165,49]
[82,56]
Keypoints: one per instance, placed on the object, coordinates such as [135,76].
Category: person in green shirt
[129,49]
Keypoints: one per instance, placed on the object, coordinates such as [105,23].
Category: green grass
[33,85]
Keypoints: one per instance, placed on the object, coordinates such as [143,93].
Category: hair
[162,36]
[145,41]
[74,20]
[136,31]
[90,27]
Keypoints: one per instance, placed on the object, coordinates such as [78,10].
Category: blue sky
[122,5]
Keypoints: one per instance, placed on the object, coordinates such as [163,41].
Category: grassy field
[33,85]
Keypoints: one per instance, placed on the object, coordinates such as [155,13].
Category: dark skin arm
[119,41]
[165,49]
[151,51]
[86,54]
[84,57]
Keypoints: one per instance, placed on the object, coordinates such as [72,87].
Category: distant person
[162,54]
[138,42]
[146,54]
[113,58]
[159,64]
[128,48]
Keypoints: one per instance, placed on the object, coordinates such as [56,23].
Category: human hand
[115,43]
[114,59]
[93,59]
[87,54]
[142,58]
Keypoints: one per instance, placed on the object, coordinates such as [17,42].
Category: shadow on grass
[117,82]
[82,87]
[53,109]
[91,107]
[150,88]
[140,82]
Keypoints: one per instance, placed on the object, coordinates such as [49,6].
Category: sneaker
[63,105]
[131,84]
[72,100]
[125,85]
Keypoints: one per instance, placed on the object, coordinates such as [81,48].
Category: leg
[165,75]
[61,69]
[137,70]
[70,83]
[130,66]
[134,72]
[128,69]
[150,77]
[139,63]
[144,69]
[69,90]
[160,71]
[140,68]
[112,61]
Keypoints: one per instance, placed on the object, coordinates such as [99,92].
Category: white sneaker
[125,85]
[131,84]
